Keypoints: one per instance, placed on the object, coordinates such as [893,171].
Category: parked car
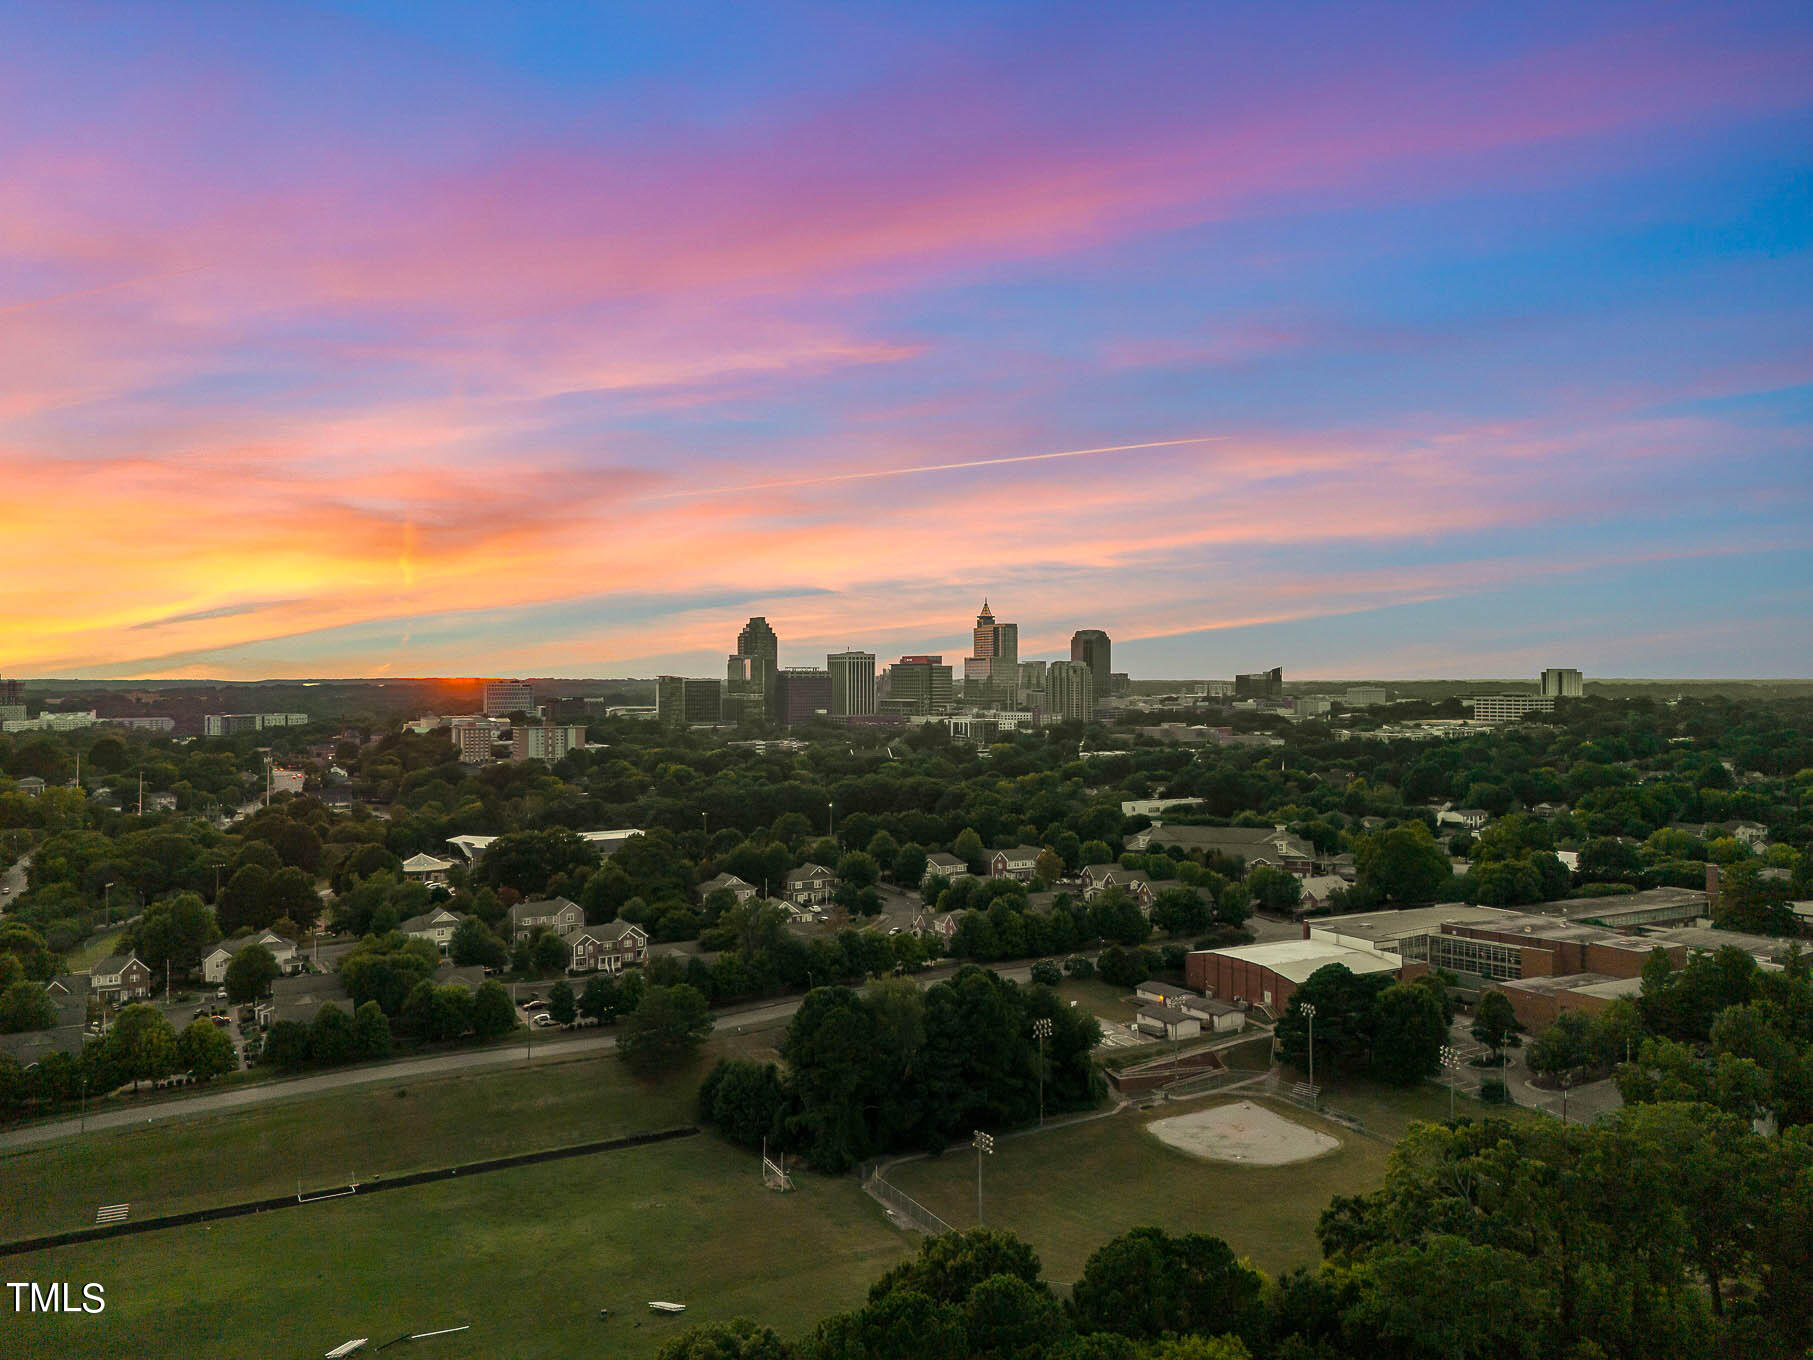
[222,1021]
[545,1022]
[221,995]
[536,1005]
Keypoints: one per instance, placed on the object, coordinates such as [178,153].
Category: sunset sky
[419,339]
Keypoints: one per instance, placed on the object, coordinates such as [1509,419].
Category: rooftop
[1296,960]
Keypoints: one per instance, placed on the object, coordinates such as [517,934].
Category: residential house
[68,992]
[608,948]
[1468,819]
[810,885]
[729,883]
[943,924]
[1161,1022]
[426,868]
[1319,889]
[1018,862]
[1272,846]
[1098,878]
[31,1047]
[215,962]
[31,786]
[941,865]
[435,926]
[301,998]
[557,914]
[468,977]
[120,978]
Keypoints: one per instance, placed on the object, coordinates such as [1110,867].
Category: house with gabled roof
[120,978]
[738,888]
[941,865]
[215,962]
[1136,883]
[608,948]
[426,868]
[1255,845]
[435,926]
[558,914]
[810,885]
[1020,863]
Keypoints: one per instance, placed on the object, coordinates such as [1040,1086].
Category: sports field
[1068,1190]
[527,1256]
[386,1128]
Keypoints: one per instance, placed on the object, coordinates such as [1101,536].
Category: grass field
[1068,1190]
[92,950]
[527,1256]
[343,1135]
[1103,999]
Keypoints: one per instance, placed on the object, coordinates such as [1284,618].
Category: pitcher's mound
[1243,1132]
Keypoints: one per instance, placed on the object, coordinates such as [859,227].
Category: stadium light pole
[1041,1030]
[1309,1011]
[1451,1061]
[984,1145]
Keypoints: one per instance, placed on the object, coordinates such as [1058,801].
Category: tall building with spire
[991,671]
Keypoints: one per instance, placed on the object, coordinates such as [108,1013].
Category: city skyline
[1365,341]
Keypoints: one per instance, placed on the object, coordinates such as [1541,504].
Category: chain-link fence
[902,1209]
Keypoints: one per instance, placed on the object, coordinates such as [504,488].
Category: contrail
[934,467]
[99,288]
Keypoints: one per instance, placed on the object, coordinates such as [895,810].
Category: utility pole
[107,901]
[1309,1010]
[1041,1030]
[985,1145]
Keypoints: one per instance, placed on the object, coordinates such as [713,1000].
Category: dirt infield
[1242,1132]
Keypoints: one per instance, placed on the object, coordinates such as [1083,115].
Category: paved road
[12,882]
[441,1064]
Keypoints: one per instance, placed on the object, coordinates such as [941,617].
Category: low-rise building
[941,865]
[1161,1022]
[1136,883]
[120,978]
[1268,974]
[301,998]
[1020,863]
[730,883]
[1271,846]
[426,868]
[557,914]
[608,948]
[216,961]
[810,885]
[435,925]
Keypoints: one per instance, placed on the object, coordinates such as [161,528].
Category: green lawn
[1069,1190]
[1103,999]
[92,950]
[527,1256]
[343,1135]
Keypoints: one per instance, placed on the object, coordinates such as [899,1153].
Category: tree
[1048,868]
[494,1014]
[1495,1022]
[668,1025]
[1408,1034]
[969,848]
[1114,916]
[1274,890]
[909,865]
[24,1006]
[1564,1047]
[738,1339]
[371,1033]
[858,870]
[561,1004]
[950,1266]
[1401,864]
[744,1100]
[1346,1016]
[173,932]
[141,1043]
[250,974]
[1146,1283]
[1008,1318]
[286,1045]
[548,953]
[475,946]
[242,905]
[292,897]
[599,999]
[1046,973]
[331,1038]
